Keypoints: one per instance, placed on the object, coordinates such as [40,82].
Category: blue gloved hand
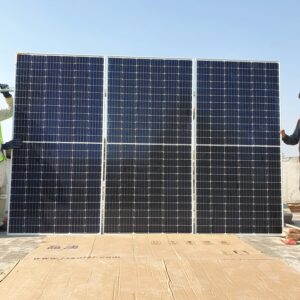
[4,86]
[13,144]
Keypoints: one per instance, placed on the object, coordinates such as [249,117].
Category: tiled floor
[273,246]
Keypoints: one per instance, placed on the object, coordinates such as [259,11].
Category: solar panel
[238,148]
[58,114]
[184,145]
[148,175]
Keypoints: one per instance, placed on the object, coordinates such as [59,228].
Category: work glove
[13,144]
[4,86]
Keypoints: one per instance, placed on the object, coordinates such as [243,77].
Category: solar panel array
[184,146]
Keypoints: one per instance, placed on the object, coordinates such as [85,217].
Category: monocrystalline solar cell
[56,188]
[237,103]
[148,188]
[149,101]
[58,98]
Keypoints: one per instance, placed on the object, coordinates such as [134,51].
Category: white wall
[290,180]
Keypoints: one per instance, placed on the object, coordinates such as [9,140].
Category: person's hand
[4,86]
[282,133]
[13,144]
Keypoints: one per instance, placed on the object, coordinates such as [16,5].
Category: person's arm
[7,112]
[291,139]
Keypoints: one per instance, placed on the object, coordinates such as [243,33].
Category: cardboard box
[149,267]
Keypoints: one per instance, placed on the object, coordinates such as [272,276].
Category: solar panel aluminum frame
[281,153]
[104,143]
[193,148]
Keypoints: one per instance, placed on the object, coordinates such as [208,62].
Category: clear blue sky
[224,29]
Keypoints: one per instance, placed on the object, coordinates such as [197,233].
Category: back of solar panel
[166,169]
